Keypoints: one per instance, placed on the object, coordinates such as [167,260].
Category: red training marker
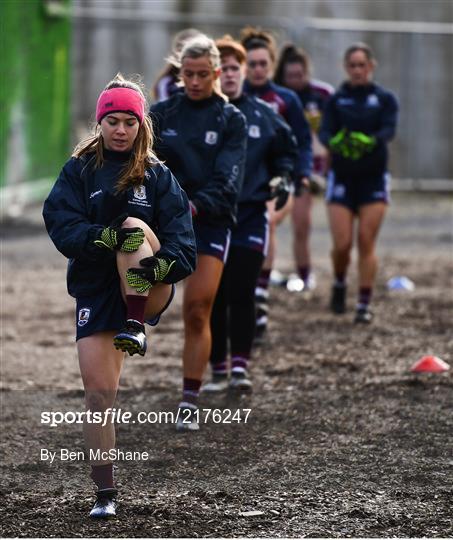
[430,364]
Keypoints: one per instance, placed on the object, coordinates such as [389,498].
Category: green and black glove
[339,142]
[352,145]
[114,237]
[360,144]
[154,270]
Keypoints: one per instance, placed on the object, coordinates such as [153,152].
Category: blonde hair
[197,47]
[182,37]
[170,69]
[142,155]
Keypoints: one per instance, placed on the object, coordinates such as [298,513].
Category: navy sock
[364,297]
[263,279]
[102,475]
[219,368]
[239,363]
[340,280]
[191,390]
[136,307]
[304,272]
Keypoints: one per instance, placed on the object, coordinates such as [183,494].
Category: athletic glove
[280,190]
[339,142]
[316,184]
[301,185]
[154,269]
[114,237]
[361,142]
[352,145]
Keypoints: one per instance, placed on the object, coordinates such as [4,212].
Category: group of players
[193,189]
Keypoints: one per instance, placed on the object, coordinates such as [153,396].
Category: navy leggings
[233,313]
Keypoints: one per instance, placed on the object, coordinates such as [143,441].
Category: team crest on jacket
[254,131]
[372,100]
[140,193]
[84,315]
[211,137]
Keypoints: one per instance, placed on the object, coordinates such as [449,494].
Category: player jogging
[294,71]
[202,138]
[261,56]
[271,153]
[359,120]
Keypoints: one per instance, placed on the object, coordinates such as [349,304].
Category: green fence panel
[35,87]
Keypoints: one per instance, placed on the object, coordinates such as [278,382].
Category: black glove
[154,269]
[114,237]
[280,191]
[301,185]
[317,184]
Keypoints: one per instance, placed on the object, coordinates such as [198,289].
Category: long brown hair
[290,54]
[142,155]
[256,38]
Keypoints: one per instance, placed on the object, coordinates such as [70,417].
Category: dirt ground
[342,440]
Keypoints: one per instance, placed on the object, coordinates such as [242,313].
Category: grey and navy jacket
[204,145]
[84,200]
[370,109]
[285,102]
[271,148]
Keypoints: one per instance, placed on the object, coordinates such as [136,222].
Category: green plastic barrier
[34,90]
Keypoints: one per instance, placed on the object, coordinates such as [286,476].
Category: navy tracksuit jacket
[370,109]
[271,148]
[83,201]
[285,102]
[204,145]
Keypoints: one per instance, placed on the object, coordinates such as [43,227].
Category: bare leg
[100,365]
[199,294]
[275,218]
[370,220]
[341,228]
[301,216]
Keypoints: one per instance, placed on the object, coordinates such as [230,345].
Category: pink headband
[120,100]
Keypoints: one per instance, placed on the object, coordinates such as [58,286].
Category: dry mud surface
[342,440]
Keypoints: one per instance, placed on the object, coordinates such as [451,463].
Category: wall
[134,37]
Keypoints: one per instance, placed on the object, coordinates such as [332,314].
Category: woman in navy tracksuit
[261,56]
[359,120]
[124,223]
[271,153]
[294,71]
[203,141]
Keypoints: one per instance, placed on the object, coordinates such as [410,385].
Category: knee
[365,245]
[130,222]
[343,247]
[99,400]
[196,315]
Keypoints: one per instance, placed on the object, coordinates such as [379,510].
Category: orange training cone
[430,364]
